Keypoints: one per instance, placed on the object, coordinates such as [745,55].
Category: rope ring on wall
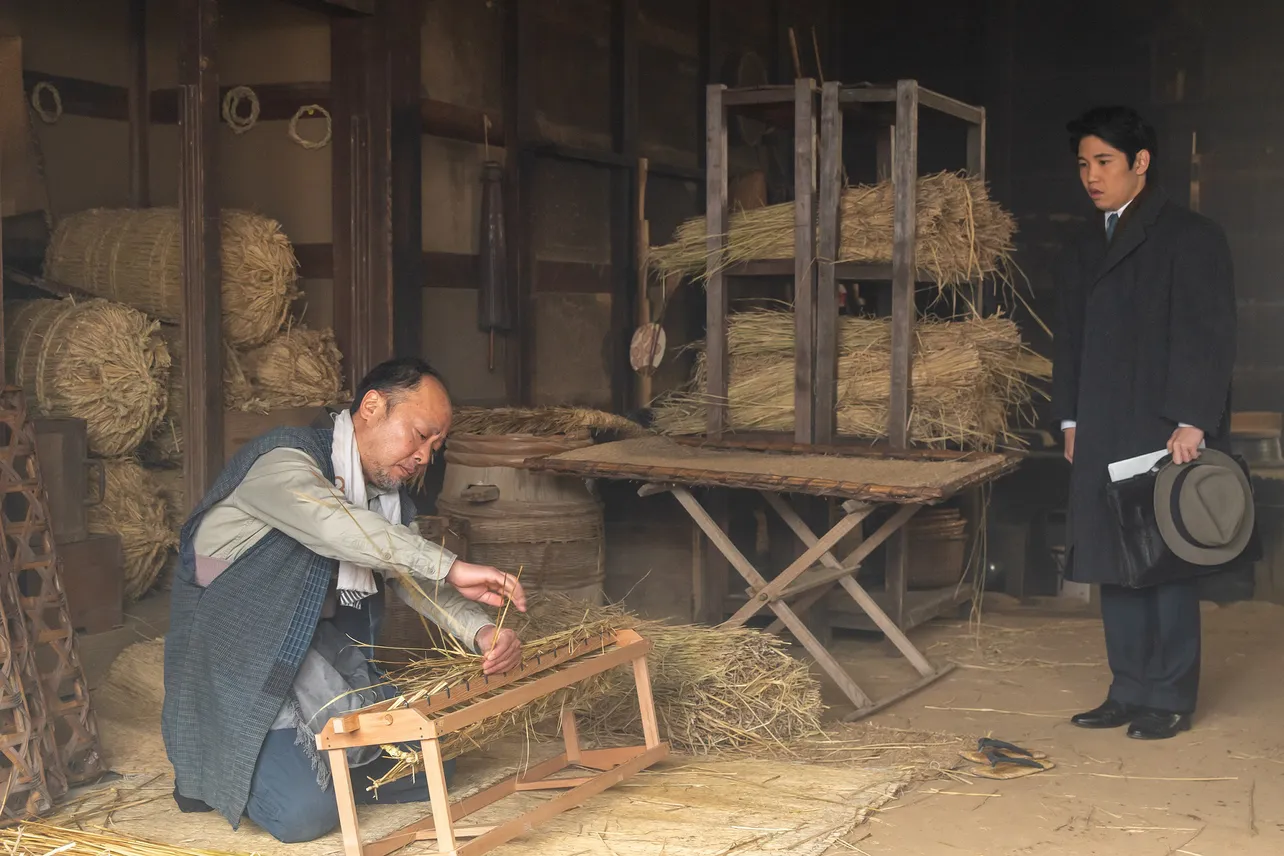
[232,101]
[308,110]
[47,116]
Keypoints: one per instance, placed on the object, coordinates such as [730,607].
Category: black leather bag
[1147,561]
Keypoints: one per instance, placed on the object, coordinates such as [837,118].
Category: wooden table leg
[570,735]
[435,775]
[341,775]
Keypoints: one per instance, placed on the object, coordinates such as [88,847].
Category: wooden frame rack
[815,269]
[435,717]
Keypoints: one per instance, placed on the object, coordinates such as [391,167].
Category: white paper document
[1130,467]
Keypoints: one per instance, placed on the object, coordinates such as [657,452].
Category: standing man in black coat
[1145,345]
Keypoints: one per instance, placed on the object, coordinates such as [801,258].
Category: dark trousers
[1152,643]
[286,801]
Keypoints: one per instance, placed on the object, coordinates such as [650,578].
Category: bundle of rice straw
[542,422]
[166,444]
[133,508]
[94,360]
[455,666]
[133,256]
[969,379]
[962,235]
[298,368]
[45,839]
[169,481]
[715,688]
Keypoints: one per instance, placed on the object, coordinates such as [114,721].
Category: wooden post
[200,245]
[519,182]
[716,356]
[140,124]
[831,186]
[904,260]
[402,22]
[624,188]
[361,170]
[804,261]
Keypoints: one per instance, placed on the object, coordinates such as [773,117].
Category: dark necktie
[1111,222]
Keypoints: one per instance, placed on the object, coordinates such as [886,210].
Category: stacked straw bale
[134,508]
[166,444]
[169,482]
[133,256]
[962,235]
[94,360]
[297,368]
[969,380]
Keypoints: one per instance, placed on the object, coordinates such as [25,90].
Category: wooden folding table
[863,478]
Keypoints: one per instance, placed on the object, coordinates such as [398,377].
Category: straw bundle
[714,687]
[133,256]
[166,444]
[456,667]
[173,492]
[962,235]
[969,378]
[298,368]
[133,508]
[43,839]
[95,360]
[542,422]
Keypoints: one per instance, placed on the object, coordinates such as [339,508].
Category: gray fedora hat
[1204,509]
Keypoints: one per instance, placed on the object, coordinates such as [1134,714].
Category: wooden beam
[402,23]
[200,243]
[716,356]
[361,155]
[831,182]
[456,122]
[624,189]
[804,260]
[340,7]
[905,189]
[82,97]
[139,102]
[519,185]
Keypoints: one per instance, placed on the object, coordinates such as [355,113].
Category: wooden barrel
[548,527]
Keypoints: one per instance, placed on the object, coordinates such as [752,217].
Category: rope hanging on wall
[231,108]
[309,110]
[47,116]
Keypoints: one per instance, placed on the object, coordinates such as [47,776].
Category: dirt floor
[1212,791]
[1215,790]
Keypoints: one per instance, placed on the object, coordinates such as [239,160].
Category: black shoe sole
[1178,730]
[1101,725]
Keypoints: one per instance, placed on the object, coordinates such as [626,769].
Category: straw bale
[543,422]
[133,256]
[298,368]
[133,508]
[94,360]
[173,492]
[962,235]
[970,380]
[715,688]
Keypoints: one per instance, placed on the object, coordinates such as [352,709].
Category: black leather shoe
[1158,725]
[1112,714]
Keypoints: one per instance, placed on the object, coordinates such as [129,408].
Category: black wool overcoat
[1145,340]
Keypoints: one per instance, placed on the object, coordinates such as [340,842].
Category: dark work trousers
[1152,643]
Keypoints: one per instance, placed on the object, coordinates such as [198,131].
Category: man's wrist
[477,636]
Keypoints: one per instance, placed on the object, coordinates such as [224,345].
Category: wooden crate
[93,573]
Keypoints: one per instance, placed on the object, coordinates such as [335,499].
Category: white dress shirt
[1070,423]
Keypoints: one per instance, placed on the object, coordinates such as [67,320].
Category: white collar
[1120,211]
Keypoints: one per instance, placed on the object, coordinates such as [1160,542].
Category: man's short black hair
[394,378]
[1121,127]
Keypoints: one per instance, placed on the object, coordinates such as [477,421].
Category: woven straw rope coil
[134,508]
[133,256]
[94,360]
